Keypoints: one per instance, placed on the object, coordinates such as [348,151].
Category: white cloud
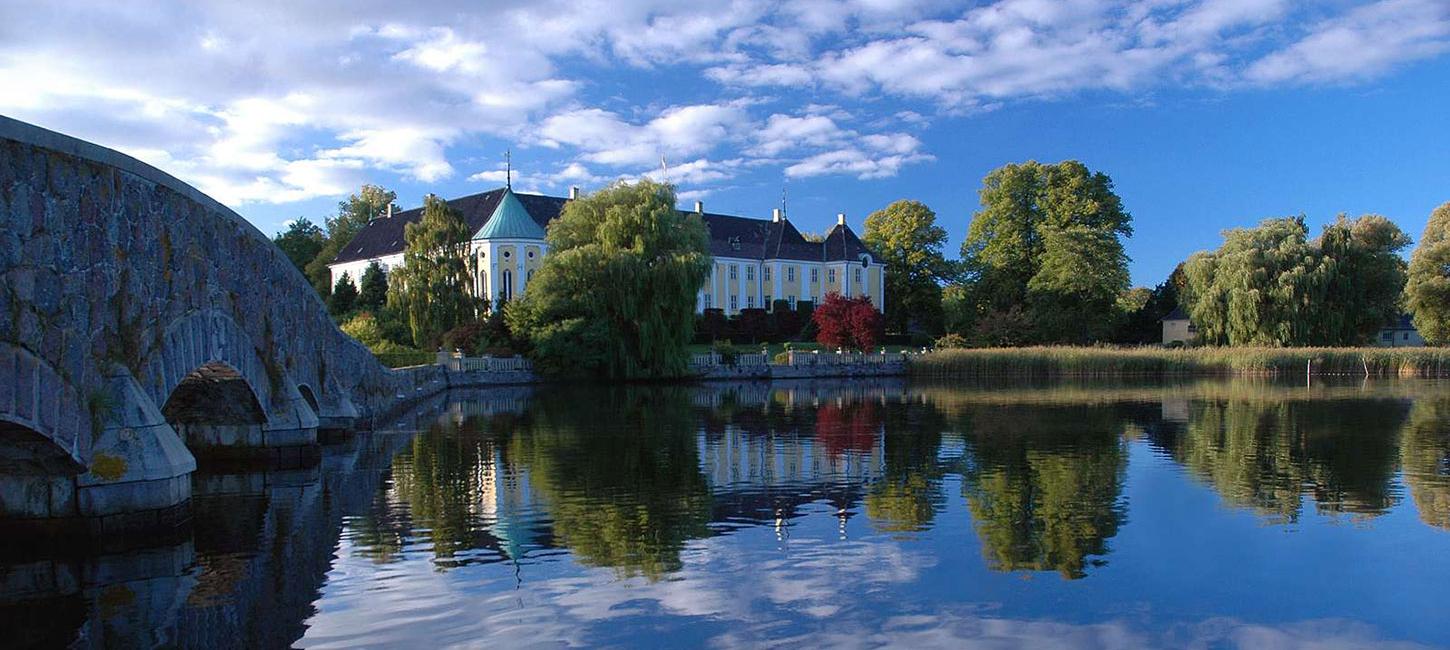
[1365,42]
[302,100]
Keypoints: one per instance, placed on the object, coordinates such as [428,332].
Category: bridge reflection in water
[628,478]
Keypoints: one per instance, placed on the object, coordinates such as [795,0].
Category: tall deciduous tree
[431,287]
[301,242]
[615,297]
[373,290]
[1427,293]
[1048,237]
[1260,288]
[907,238]
[353,214]
[1368,280]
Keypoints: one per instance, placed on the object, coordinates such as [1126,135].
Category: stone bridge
[144,326]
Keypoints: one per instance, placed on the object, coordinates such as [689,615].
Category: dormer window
[865,260]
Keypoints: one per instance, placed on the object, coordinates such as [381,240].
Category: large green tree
[908,240]
[432,286]
[615,296]
[353,214]
[301,242]
[1368,280]
[1048,240]
[1260,288]
[373,289]
[1269,285]
[1427,293]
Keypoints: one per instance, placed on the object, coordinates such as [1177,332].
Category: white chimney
[573,192]
[840,218]
[775,215]
[390,210]
[699,207]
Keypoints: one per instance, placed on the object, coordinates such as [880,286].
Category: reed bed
[1103,362]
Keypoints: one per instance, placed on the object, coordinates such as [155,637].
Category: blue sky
[1208,114]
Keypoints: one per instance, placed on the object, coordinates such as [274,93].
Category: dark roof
[730,236]
[1176,314]
[1404,322]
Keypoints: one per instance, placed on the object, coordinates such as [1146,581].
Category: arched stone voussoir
[35,396]
[291,422]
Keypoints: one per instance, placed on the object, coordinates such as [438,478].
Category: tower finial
[783,185]
[508,166]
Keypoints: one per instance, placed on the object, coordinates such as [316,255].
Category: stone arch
[214,410]
[38,405]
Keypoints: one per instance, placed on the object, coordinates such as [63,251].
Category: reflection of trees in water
[1425,458]
[438,476]
[908,494]
[1043,485]
[618,471]
[1265,454]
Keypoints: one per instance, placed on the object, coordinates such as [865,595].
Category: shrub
[852,323]
[951,342]
[365,328]
[727,352]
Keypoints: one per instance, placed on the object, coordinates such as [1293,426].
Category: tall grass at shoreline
[1053,361]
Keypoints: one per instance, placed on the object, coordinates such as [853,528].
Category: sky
[1207,114]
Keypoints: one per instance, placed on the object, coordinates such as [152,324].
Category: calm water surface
[1215,514]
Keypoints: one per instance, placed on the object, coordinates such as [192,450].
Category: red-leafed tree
[852,323]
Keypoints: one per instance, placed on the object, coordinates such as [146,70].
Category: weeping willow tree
[616,295]
[1427,295]
[431,287]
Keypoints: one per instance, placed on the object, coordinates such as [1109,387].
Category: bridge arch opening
[37,476]
[216,412]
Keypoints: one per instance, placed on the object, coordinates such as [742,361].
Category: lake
[840,514]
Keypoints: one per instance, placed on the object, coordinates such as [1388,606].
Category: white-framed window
[858,275]
[508,283]
[750,302]
[831,276]
[734,271]
[765,274]
[816,276]
[790,274]
[707,301]
[791,299]
[734,303]
[768,303]
[750,273]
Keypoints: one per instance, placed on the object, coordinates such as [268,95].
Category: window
[507,254]
[749,273]
[765,274]
[831,276]
[750,302]
[858,275]
[790,274]
[531,254]
[734,303]
[734,271]
[508,283]
[1387,336]
[816,276]
[707,301]
[528,278]
[791,299]
[768,304]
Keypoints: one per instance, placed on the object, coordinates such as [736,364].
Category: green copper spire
[510,220]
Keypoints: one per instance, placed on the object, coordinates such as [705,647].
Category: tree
[615,297]
[431,287]
[353,214]
[344,296]
[301,242]
[908,240]
[1259,288]
[1268,285]
[1048,237]
[852,323]
[1143,315]
[1365,291]
[373,290]
[1427,293]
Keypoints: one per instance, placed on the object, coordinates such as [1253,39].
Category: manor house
[757,261]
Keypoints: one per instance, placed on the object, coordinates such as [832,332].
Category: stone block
[25,369]
[8,380]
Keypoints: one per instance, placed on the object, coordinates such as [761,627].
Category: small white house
[1177,329]
[1400,333]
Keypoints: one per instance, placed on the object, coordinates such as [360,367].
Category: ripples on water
[842,515]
